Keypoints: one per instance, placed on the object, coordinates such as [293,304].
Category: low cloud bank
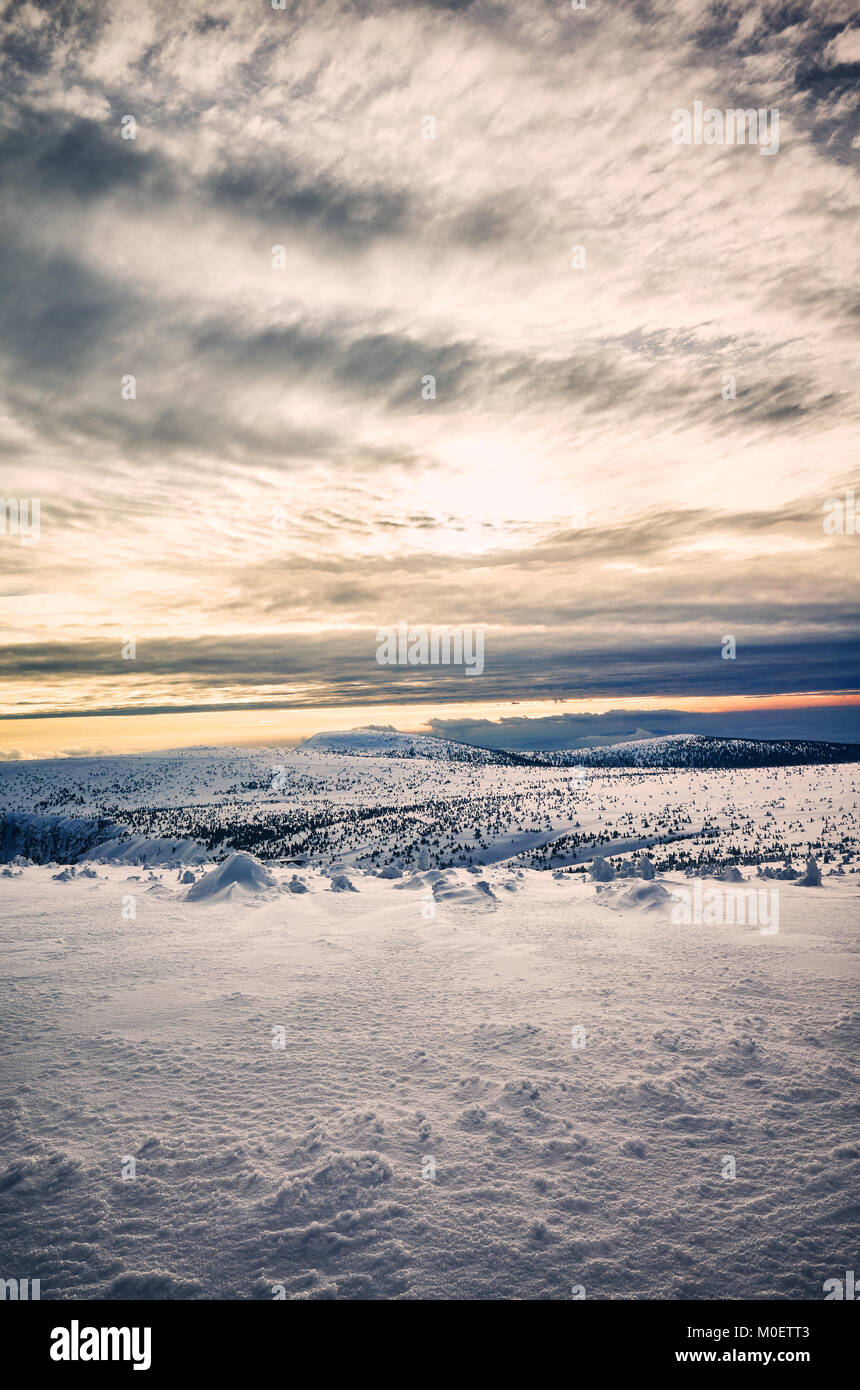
[839,723]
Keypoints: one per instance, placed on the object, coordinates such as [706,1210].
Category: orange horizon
[127,731]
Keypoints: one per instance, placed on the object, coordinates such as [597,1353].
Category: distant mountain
[703,750]
[375,742]
[670,750]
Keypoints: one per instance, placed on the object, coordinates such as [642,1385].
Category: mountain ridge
[664,750]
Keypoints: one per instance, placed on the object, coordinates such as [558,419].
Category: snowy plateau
[384,1017]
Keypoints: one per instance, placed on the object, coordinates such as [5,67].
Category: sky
[583,484]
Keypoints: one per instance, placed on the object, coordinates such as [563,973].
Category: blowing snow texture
[422,1030]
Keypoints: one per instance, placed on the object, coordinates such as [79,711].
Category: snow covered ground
[427,1127]
[227,1075]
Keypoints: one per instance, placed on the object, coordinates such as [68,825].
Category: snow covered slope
[429,1093]
[375,742]
[670,750]
[702,750]
[374,810]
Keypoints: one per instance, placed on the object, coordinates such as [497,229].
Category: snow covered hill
[375,742]
[668,750]
[705,750]
[379,809]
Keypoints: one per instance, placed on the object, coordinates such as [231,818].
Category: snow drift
[240,874]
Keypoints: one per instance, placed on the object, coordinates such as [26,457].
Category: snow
[601,870]
[812,876]
[704,750]
[341,883]
[649,897]
[457,1081]
[371,742]
[240,874]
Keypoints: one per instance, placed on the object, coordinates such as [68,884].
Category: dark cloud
[50,156]
[29,49]
[835,723]
[340,668]
[208,22]
[58,316]
[286,196]
[596,377]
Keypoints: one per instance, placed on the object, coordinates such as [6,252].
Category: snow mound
[348,1172]
[478,894]
[644,896]
[240,874]
[649,896]
[430,879]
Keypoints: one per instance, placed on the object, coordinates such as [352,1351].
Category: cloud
[583,482]
[300,199]
[80,158]
[836,723]
[302,670]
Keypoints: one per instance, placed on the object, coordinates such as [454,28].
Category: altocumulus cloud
[279,487]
